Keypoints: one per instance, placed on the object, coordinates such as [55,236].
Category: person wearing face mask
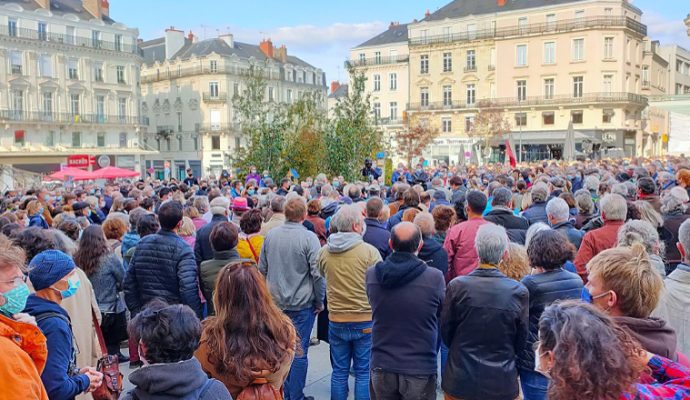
[23,360]
[588,355]
[53,276]
[35,212]
[404,343]
[190,180]
[252,175]
[344,261]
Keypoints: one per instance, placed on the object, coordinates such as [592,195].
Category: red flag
[511,156]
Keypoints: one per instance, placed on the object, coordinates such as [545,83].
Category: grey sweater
[107,282]
[289,262]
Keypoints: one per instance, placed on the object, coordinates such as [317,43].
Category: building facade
[68,86]
[188,87]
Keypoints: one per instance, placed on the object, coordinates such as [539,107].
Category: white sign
[104,161]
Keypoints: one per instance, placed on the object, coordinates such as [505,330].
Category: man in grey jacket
[289,261]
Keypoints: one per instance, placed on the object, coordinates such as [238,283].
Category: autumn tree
[411,141]
[304,138]
[489,123]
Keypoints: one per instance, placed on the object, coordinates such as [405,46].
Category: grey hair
[592,183]
[674,200]
[585,204]
[293,195]
[558,209]
[278,204]
[201,204]
[347,217]
[533,230]
[621,189]
[425,222]
[613,207]
[491,243]
[684,238]
[540,192]
[326,190]
[649,214]
[501,197]
[321,178]
[639,231]
[63,242]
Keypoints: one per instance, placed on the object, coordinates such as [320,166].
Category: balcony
[20,116]
[377,61]
[389,121]
[220,97]
[470,68]
[439,106]
[79,41]
[600,22]
[646,85]
[220,128]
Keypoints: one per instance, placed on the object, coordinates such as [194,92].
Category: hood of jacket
[343,241]
[653,334]
[399,269]
[174,380]
[130,239]
[429,248]
[330,208]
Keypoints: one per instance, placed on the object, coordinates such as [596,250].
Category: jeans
[350,344]
[303,320]
[444,357]
[534,385]
[391,386]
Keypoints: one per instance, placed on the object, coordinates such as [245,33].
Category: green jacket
[209,272]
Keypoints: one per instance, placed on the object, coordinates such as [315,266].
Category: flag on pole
[510,155]
[294,173]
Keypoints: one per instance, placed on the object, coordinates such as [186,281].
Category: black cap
[80,205]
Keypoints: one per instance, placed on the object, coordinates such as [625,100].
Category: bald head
[406,238]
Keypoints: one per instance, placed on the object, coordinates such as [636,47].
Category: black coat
[433,255]
[544,289]
[202,247]
[536,213]
[484,323]
[515,226]
[162,267]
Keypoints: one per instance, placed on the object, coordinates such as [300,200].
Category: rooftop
[465,8]
[61,7]
[341,91]
[394,34]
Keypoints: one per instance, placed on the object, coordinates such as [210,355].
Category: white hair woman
[638,231]
[673,207]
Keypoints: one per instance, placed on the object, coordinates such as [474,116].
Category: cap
[48,267]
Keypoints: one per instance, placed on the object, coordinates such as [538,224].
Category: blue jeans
[350,344]
[294,384]
[534,385]
[444,357]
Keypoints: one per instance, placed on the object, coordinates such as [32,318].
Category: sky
[322,32]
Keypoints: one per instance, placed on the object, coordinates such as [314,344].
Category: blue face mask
[15,300]
[336,184]
[73,284]
[250,192]
[587,297]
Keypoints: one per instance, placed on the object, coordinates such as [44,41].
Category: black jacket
[515,226]
[202,247]
[544,289]
[484,324]
[536,213]
[163,267]
[377,235]
[433,254]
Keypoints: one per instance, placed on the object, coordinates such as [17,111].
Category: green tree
[304,138]
[411,141]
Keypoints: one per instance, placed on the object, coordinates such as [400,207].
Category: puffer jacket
[163,267]
[545,289]
[24,354]
[536,213]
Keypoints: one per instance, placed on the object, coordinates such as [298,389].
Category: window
[214,66]
[16,62]
[100,108]
[394,81]
[447,125]
[469,121]
[424,96]
[578,51]
[362,58]
[96,39]
[123,139]
[447,62]
[377,110]
[18,103]
[213,89]
[576,116]
[608,12]
[120,70]
[76,139]
[548,117]
[578,86]
[289,95]
[100,139]
[522,90]
[548,88]
[122,108]
[423,34]
[550,21]
[471,94]
[394,111]
[377,82]
[45,66]
[118,42]
[645,75]
[12,27]
[447,35]
[167,144]
[424,64]
[235,89]
[71,35]
[73,68]
[196,142]
[492,59]
[50,139]
[98,72]
[47,105]
[19,138]
[471,31]
[270,94]
[179,122]
[579,14]
[471,60]
[74,104]
[522,25]
[215,142]
[42,31]
[608,48]
[521,50]
[607,116]
[550,53]
[521,119]
[447,96]
[377,57]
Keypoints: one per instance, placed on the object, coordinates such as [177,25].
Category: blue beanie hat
[48,267]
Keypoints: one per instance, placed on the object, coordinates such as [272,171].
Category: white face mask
[537,365]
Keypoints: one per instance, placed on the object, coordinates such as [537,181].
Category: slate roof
[340,92]
[394,34]
[62,7]
[465,8]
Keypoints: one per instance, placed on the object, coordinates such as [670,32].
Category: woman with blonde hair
[35,212]
[187,231]
[515,264]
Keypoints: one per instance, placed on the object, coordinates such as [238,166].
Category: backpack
[260,389]
[72,369]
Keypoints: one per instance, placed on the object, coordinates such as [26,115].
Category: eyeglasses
[16,281]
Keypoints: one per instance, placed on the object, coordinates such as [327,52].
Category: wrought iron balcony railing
[21,116]
[377,61]
[79,41]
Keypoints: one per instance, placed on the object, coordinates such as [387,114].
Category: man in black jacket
[163,266]
[404,344]
[484,323]
[502,214]
[220,209]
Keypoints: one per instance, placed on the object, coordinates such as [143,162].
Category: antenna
[203,29]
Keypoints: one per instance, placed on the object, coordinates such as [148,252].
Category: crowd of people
[552,280]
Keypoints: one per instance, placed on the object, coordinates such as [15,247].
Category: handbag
[109,366]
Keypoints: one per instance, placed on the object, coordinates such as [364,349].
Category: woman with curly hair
[114,230]
[258,351]
[250,239]
[444,218]
[588,356]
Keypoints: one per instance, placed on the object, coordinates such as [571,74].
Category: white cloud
[668,31]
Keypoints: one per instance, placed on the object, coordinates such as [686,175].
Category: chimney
[105,8]
[281,53]
[45,4]
[266,47]
[501,3]
[335,85]
[174,41]
[427,14]
[229,39]
[93,7]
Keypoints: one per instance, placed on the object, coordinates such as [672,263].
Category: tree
[412,141]
[488,124]
[304,139]
[351,135]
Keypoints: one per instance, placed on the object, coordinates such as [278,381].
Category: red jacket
[594,242]
[24,353]
[459,244]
